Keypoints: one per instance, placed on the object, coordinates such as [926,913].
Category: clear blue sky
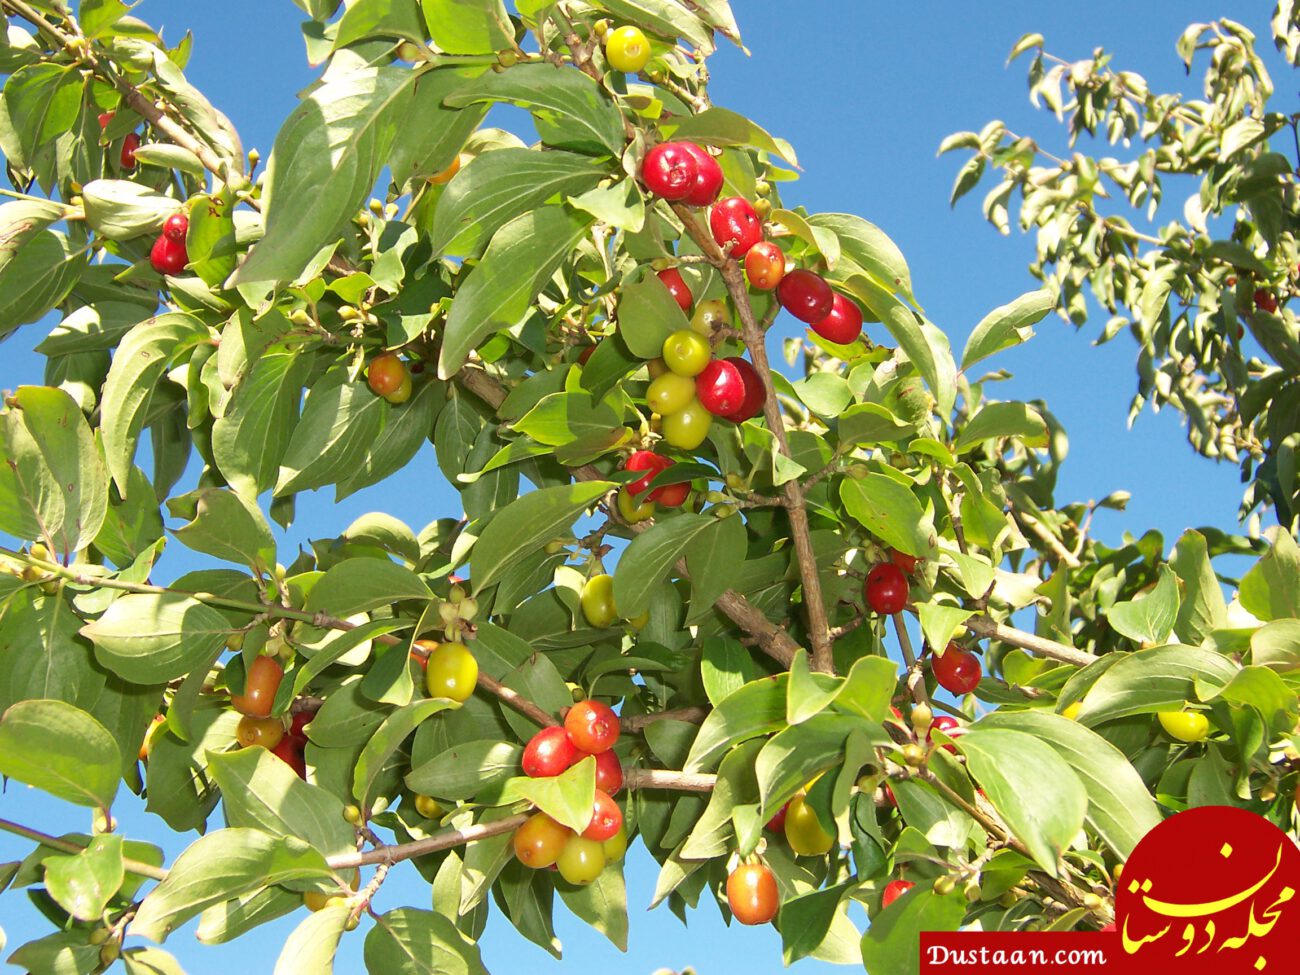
[865,91]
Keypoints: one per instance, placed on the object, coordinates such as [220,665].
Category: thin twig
[915,676]
[637,722]
[986,626]
[67,846]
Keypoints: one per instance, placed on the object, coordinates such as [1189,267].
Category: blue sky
[865,91]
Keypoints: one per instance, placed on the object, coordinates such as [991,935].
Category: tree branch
[637,722]
[986,626]
[397,852]
[915,678]
[657,778]
[67,846]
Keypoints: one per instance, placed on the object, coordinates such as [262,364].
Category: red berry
[671,495]
[777,823]
[129,145]
[755,394]
[606,819]
[886,590]
[894,890]
[609,773]
[592,726]
[648,461]
[289,751]
[708,184]
[176,226]
[720,388]
[957,670]
[752,893]
[670,170]
[298,726]
[765,265]
[805,295]
[889,796]
[585,354]
[735,226]
[1265,300]
[843,324]
[672,279]
[168,256]
[949,726]
[548,753]
[904,561]
[105,118]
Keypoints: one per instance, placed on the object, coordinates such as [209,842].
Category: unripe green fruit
[944,885]
[922,716]
[468,609]
[972,891]
[353,815]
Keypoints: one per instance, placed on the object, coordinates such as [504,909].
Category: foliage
[515,282]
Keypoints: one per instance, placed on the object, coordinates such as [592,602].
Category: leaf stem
[67,846]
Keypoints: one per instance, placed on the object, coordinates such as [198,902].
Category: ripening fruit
[708,184]
[671,496]
[290,751]
[597,601]
[957,670]
[686,353]
[755,394]
[1266,301]
[805,295]
[548,753]
[670,171]
[318,900]
[735,226]
[592,727]
[539,841]
[168,256]
[765,266]
[843,324]
[428,807]
[720,388]
[648,461]
[803,830]
[708,315]
[627,49]
[950,726]
[451,672]
[615,846]
[886,590]
[606,818]
[146,744]
[904,561]
[259,732]
[688,427]
[669,393]
[581,860]
[261,683]
[1188,726]
[1072,711]
[176,226]
[385,374]
[609,773]
[630,511]
[894,890]
[105,118]
[129,145]
[777,823]
[445,175]
[677,287]
[752,894]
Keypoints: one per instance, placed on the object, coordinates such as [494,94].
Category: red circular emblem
[1211,890]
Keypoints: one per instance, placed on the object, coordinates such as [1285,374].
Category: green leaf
[145,355]
[465,769]
[562,418]
[62,750]
[723,127]
[795,755]
[325,161]
[711,557]
[397,727]
[995,420]
[260,791]
[619,205]
[567,798]
[379,18]
[500,290]
[84,883]
[1275,644]
[756,709]
[411,942]
[647,315]
[1159,679]
[340,423]
[53,483]
[1120,810]
[569,108]
[310,949]
[150,961]
[665,17]
[1202,609]
[250,437]
[925,346]
[866,424]
[219,867]
[41,655]
[469,26]
[805,921]
[1149,618]
[38,277]
[892,945]
[725,667]
[646,562]
[119,209]
[1266,692]
[1271,589]
[65,953]
[225,525]
[1036,793]
[151,638]
[602,904]
[939,621]
[1007,326]
[360,585]
[525,525]
[499,186]
[425,150]
[867,246]
[890,511]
